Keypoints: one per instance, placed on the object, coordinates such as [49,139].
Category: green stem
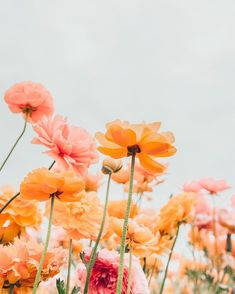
[129,269]
[125,225]
[37,279]
[17,194]
[11,289]
[169,259]
[94,250]
[69,265]
[16,142]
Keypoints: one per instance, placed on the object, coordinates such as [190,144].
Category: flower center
[132,150]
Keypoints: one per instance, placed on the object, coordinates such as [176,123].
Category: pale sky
[168,61]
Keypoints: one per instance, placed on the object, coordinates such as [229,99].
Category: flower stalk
[129,269]
[69,265]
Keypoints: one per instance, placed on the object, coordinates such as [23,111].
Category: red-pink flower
[69,146]
[105,272]
[213,186]
[31,99]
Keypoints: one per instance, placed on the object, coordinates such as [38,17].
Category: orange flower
[18,214]
[123,139]
[93,182]
[117,209]
[42,183]
[19,263]
[178,210]
[80,219]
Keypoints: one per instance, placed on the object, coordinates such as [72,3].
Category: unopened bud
[111,165]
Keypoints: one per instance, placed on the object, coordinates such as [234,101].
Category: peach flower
[41,184]
[20,261]
[117,208]
[18,215]
[69,146]
[213,186]
[93,182]
[31,99]
[80,219]
[105,272]
[123,139]
[227,220]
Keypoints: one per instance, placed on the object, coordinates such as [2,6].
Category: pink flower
[31,99]
[213,186]
[227,220]
[202,205]
[105,272]
[70,146]
[233,201]
[193,186]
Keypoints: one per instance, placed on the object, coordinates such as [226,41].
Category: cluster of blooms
[111,246]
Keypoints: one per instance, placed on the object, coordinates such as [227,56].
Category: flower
[123,139]
[213,186]
[18,215]
[92,182]
[227,220]
[111,165]
[105,273]
[117,208]
[193,186]
[31,99]
[80,219]
[19,263]
[69,146]
[41,184]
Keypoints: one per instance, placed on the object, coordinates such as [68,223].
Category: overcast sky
[169,61]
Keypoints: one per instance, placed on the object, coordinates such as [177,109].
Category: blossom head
[123,139]
[70,146]
[104,274]
[31,99]
[213,186]
[41,184]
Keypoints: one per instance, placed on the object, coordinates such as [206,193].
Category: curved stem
[94,250]
[125,225]
[9,201]
[16,142]
[17,194]
[37,279]
[169,259]
[129,269]
[69,265]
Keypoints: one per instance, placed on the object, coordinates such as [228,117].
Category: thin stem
[152,271]
[17,194]
[16,142]
[125,225]
[169,259]
[69,265]
[9,201]
[215,234]
[37,279]
[94,250]
[11,289]
[129,269]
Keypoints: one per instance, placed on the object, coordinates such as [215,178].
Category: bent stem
[37,279]
[69,265]
[169,259]
[17,194]
[125,225]
[94,250]
[129,269]
[16,142]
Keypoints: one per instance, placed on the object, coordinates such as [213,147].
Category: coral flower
[80,219]
[227,220]
[69,146]
[116,208]
[31,99]
[18,215]
[41,184]
[93,182]
[123,139]
[213,186]
[19,263]
[105,272]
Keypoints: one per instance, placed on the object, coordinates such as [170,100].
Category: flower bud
[111,165]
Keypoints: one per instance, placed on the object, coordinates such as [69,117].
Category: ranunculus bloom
[117,208]
[31,99]
[122,139]
[18,215]
[69,146]
[41,184]
[213,186]
[178,209]
[20,261]
[105,273]
[80,219]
